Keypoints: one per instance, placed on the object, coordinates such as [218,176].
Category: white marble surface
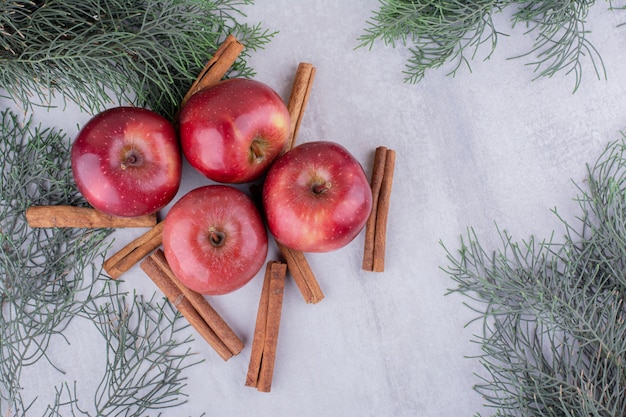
[482,147]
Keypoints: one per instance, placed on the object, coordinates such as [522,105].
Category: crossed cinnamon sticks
[199,312]
[297,264]
[194,306]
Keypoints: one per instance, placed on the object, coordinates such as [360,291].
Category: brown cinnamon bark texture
[376,226]
[263,355]
[82,217]
[193,306]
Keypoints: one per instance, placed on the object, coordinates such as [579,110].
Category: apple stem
[131,159]
[256,150]
[216,237]
[321,188]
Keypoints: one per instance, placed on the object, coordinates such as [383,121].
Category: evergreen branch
[41,283]
[560,38]
[554,320]
[146,356]
[97,54]
[51,277]
[438,32]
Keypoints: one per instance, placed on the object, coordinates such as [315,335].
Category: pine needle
[438,32]
[100,53]
[51,277]
[553,314]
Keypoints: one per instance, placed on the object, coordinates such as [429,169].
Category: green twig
[98,54]
[51,277]
[438,32]
[554,320]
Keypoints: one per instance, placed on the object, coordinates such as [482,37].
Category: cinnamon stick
[193,306]
[378,170]
[202,306]
[216,68]
[300,91]
[133,252]
[82,217]
[263,355]
[302,274]
[376,226]
[297,263]
[258,339]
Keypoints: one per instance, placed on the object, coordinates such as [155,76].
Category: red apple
[126,161]
[214,239]
[233,131]
[316,197]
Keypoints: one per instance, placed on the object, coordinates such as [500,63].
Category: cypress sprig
[553,312]
[443,32]
[51,277]
[97,53]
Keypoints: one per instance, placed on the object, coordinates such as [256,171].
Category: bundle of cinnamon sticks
[194,306]
[376,226]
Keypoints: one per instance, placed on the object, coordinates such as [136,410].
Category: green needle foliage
[439,32]
[41,269]
[51,277]
[553,313]
[98,53]
[146,356]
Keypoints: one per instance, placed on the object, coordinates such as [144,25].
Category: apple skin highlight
[126,162]
[232,132]
[316,197]
[214,239]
